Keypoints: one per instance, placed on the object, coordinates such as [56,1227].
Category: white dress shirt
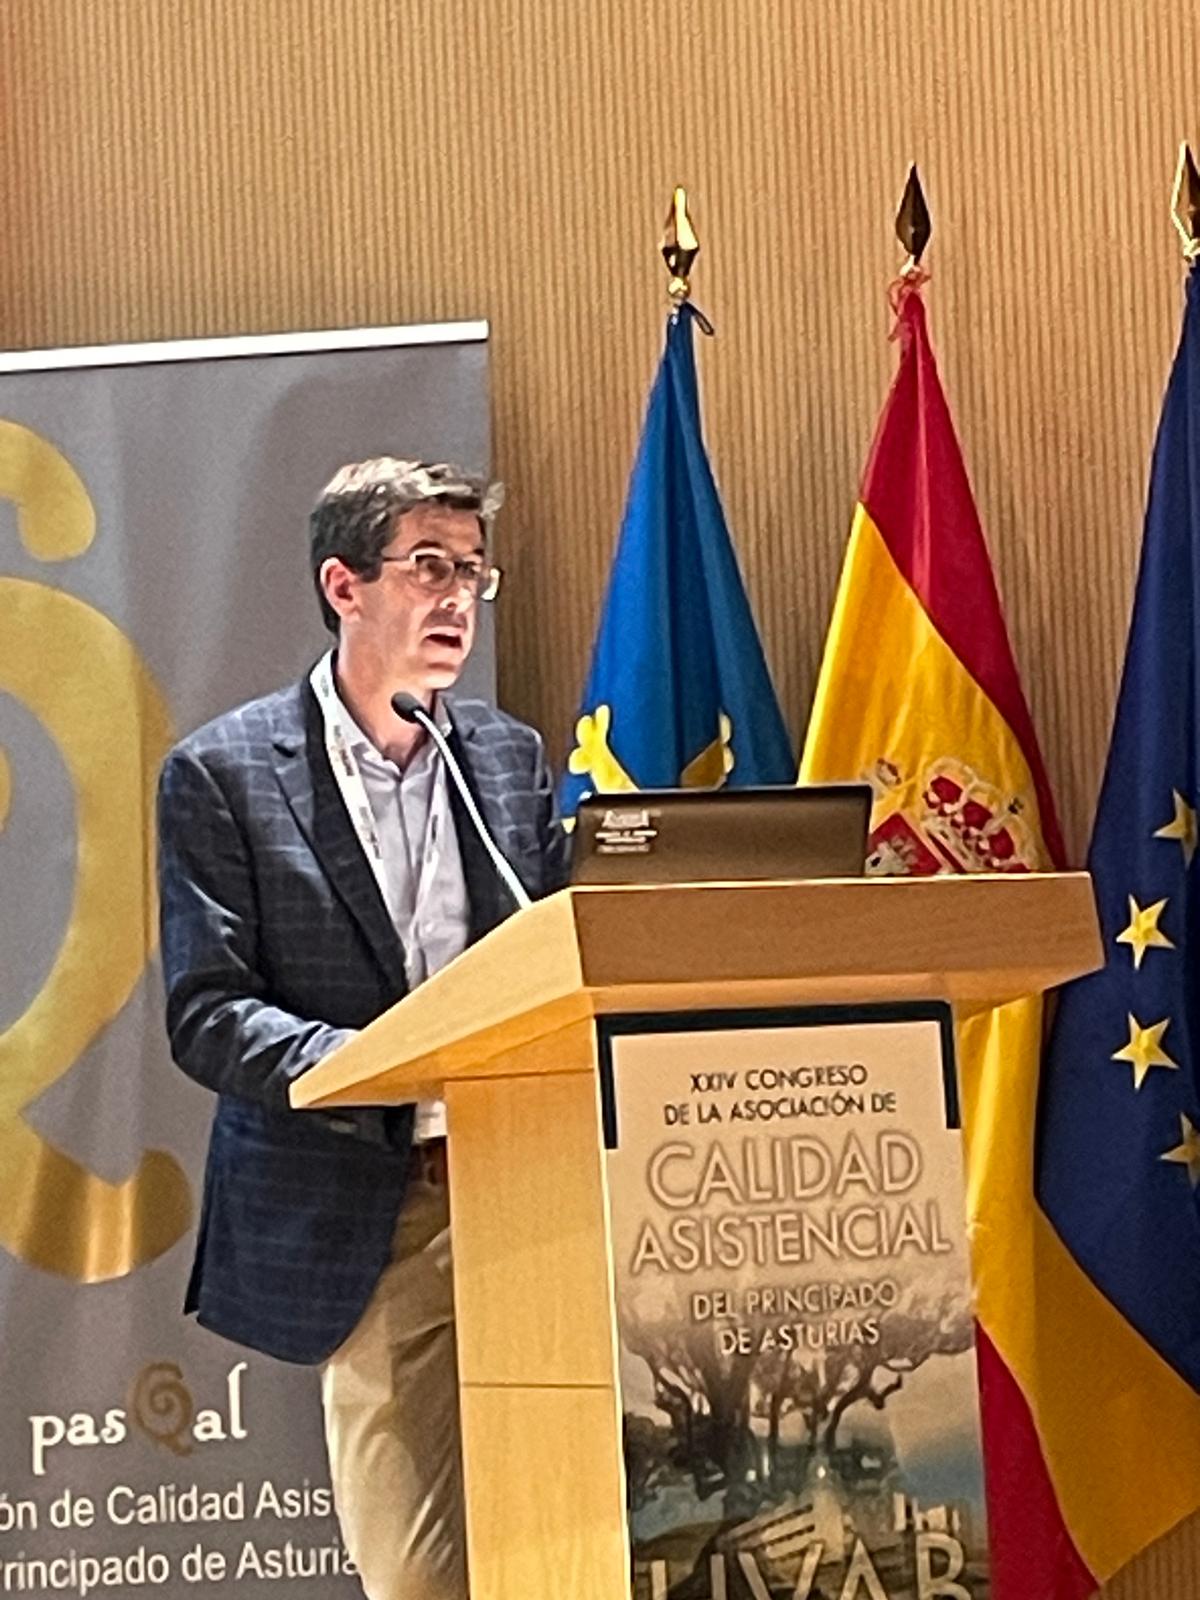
[422,873]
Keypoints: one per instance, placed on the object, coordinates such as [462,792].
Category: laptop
[697,835]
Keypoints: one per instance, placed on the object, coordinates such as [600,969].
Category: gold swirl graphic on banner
[161,1406]
[55,516]
[85,682]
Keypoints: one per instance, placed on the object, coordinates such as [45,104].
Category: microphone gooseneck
[409,709]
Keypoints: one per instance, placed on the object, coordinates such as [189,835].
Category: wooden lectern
[507,1036]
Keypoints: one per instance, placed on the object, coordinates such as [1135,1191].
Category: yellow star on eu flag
[1186,1153]
[1182,826]
[1144,1049]
[1143,932]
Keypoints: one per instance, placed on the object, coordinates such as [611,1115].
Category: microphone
[409,709]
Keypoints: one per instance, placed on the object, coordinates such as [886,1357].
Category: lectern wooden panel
[507,1035]
[533,1304]
[545,1509]
[537,1347]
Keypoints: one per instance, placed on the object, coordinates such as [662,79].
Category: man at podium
[317,862]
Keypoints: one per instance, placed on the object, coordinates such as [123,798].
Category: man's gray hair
[404,485]
[355,514]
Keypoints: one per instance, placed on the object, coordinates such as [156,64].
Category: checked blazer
[276,944]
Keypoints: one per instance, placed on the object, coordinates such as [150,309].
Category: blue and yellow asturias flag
[1118,1164]
[678,692]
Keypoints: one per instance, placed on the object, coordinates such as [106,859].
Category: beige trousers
[390,1395]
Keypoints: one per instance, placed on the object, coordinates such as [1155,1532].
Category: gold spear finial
[680,247]
[913,225]
[1185,203]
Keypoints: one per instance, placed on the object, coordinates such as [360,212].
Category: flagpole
[1185,203]
[913,224]
[680,247]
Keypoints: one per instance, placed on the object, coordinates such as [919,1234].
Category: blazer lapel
[490,902]
[302,767]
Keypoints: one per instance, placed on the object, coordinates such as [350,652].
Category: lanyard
[345,767]
[340,736]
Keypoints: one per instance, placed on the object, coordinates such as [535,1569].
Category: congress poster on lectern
[796,1334]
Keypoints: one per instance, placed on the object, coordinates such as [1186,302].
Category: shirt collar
[364,747]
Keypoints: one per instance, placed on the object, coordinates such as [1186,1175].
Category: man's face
[421,638]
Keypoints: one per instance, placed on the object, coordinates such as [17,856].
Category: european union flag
[1119,1137]
[678,692]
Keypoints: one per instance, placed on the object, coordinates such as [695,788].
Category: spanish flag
[919,694]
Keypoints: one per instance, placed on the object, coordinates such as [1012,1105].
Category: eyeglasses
[434,573]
